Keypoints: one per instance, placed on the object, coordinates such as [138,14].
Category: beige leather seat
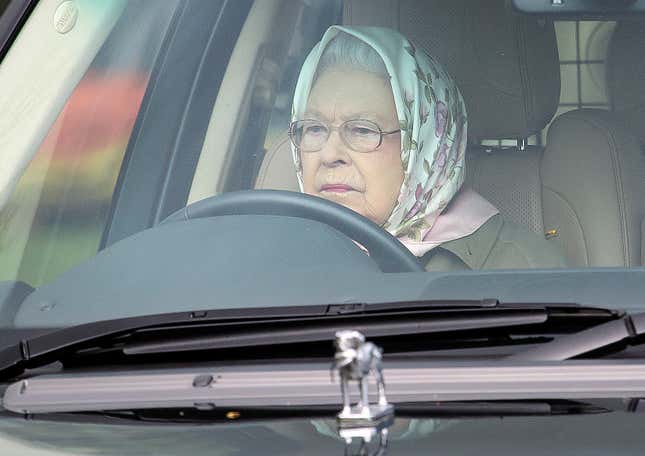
[626,84]
[584,187]
[626,75]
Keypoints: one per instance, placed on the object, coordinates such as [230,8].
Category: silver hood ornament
[372,441]
[356,360]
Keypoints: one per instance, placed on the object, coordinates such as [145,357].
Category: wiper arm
[242,328]
[596,338]
[323,330]
[377,321]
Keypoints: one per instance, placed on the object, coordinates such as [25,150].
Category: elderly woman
[379,127]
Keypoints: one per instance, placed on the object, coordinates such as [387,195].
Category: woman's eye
[315,130]
[363,131]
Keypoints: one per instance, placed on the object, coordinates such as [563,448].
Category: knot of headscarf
[433,123]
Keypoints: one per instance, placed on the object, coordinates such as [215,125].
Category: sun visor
[506,64]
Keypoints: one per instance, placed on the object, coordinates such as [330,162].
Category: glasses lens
[362,135]
[309,135]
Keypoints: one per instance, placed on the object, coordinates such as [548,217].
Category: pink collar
[465,214]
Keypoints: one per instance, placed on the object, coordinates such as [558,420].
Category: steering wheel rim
[387,251]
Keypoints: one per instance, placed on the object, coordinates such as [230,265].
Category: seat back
[277,171]
[626,90]
[626,75]
[593,181]
[510,179]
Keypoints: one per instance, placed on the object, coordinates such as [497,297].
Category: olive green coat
[497,244]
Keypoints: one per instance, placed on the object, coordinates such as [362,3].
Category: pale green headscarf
[433,124]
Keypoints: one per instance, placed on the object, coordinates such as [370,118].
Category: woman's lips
[336,188]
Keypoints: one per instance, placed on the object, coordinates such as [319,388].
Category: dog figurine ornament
[356,360]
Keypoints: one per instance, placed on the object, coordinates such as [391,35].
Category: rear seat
[626,82]
[626,75]
[582,189]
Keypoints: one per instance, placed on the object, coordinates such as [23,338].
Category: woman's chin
[351,200]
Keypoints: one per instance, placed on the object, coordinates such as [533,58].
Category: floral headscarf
[433,123]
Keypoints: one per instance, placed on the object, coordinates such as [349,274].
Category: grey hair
[347,51]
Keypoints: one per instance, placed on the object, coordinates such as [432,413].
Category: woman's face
[368,183]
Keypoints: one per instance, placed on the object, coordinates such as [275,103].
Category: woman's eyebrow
[367,115]
[314,113]
[364,115]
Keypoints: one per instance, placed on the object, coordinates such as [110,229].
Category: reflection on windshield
[479,137]
[57,214]
[373,112]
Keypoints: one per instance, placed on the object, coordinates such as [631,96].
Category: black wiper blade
[376,321]
[235,328]
[625,329]
[392,324]
[43,349]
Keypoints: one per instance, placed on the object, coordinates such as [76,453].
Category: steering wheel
[388,253]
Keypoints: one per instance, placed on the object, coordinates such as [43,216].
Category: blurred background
[56,215]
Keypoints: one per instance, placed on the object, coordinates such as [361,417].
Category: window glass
[311,27]
[284,54]
[582,47]
[59,209]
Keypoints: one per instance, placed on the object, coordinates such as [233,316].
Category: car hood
[605,433]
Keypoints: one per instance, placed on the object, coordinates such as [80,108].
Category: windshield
[478,137]
[306,226]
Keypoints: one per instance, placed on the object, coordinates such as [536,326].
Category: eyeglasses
[359,135]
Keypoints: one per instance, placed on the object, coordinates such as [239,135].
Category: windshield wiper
[623,330]
[199,331]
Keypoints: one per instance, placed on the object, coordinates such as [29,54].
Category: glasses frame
[339,128]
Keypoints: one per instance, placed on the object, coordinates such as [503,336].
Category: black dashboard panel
[218,262]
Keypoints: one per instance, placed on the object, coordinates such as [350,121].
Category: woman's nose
[334,152]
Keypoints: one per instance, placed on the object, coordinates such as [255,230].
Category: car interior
[572,172]
[582,188]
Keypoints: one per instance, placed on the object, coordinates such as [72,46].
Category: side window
[582,47]
[302,24]
[57,213]
[311,29]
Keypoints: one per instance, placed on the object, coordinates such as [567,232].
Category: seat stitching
[524,74]
[268,159]
[539,174]
[347,13]
[613,154]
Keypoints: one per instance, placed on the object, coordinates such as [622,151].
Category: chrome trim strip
[309,384]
